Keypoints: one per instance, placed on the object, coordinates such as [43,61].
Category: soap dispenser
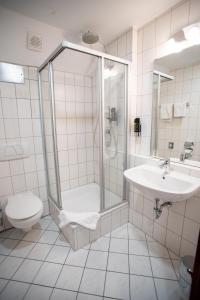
[137,126]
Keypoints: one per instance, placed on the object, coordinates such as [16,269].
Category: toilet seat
[23,206]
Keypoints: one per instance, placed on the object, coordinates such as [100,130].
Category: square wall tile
[191,230]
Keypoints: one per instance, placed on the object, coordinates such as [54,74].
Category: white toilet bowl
[24,210]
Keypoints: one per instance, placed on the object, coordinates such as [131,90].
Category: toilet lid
[23,206]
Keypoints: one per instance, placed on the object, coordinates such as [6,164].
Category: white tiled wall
[20,122]
[184,88]
[74,122]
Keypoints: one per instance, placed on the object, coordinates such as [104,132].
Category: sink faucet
[166,166]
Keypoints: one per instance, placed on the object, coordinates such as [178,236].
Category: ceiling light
[192,33]
[175,47]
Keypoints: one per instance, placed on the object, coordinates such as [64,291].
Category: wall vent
[34,41]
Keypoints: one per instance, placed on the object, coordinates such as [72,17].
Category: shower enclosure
[83,97]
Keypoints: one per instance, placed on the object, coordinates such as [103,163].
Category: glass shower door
[47,116]
[114,132]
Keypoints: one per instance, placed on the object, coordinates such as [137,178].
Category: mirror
[176,107]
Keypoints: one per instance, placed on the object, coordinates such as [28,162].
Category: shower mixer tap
[111,114]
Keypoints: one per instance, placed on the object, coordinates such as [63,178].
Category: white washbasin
[175,187]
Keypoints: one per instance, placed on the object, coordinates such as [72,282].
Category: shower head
[90,37]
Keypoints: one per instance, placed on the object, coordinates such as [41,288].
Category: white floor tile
[101,244]
[138,248]
[135,233]
[63,295]
[38,292]
[33,236]
[4,234]
[40,251]
[140,265]
[118,262]
[117,285]
[22,249]
[121,232]
[61,241]
[88,297]
[9,266]
[70,278]
[55,250]
[142,288]
[162,268]
[6,246]
[93,282]
[27,270]
[58,254]
[157,250]
[77,258]
[16,234]
[118,245]
[168,289]
[2,257]
[14,290]
[43,223]
[49,237]
[176,265]
[48,274]
[53,226]
[149,238]
[97,260]
[3,283]
[173,255]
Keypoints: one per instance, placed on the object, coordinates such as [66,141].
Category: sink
[174,187]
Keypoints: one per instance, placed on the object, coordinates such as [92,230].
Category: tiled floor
[125,264]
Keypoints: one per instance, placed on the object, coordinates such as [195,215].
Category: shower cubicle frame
[101,58]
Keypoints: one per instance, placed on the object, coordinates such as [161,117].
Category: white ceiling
[109,18]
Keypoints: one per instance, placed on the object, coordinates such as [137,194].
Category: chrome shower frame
[101,58]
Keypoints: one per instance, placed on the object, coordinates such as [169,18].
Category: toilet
[24,210]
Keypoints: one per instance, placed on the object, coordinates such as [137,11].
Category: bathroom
[99,150]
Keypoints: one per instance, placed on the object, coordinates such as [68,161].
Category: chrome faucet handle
[164,162]
[182,157]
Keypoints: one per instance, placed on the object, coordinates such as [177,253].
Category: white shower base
[84,199]
[87,198]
